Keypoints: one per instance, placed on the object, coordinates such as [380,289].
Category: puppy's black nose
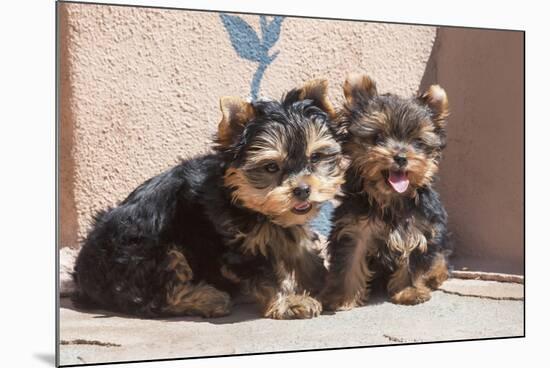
[400,159]
[302,191]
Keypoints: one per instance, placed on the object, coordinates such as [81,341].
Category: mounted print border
[138,90]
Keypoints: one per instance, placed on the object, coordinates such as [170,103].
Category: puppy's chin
[297,215]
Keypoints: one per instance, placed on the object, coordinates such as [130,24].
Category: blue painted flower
[249,46]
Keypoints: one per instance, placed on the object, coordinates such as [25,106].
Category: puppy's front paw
[218,306]
[411,295]
[294,307]
[335,301]
[340,305]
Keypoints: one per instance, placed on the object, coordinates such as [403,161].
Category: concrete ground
[462,309]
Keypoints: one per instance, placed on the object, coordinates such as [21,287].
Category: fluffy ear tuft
[236,113]
[359,88]
[436,100]
[314,90]
[317,91]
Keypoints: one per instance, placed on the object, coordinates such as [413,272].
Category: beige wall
[482,170]
[140,89]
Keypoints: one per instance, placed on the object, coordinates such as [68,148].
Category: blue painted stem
[258,75]
[256,79]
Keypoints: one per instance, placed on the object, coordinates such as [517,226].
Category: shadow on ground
[242,311]
[462,310]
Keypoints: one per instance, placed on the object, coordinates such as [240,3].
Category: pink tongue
[398,180]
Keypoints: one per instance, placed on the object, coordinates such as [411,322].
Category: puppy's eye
[419,143]
[378,139]
[271,167]
[320,117]
[315,157]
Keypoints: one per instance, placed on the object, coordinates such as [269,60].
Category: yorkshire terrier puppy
[184,242]
[391,225]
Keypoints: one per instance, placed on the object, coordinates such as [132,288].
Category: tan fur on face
[266,155]
[275,199]
[277,202]
[427,133]
[323,188]
[378,120]
[371,162]
[267,147]
[421,169]
[317,138]
[272,202]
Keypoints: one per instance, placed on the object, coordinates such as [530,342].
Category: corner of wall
[68,220]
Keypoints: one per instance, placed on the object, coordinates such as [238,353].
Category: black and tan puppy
[185,241]
[391,225]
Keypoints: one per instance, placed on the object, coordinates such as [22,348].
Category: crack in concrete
[89,342]
[399,339]
[394,339]
[513,298]
[487,276]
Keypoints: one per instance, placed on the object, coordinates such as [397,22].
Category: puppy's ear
[435,98]
[316,91]
[236,113]
[359,89]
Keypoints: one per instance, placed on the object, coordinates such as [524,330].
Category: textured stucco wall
[140,87]
[482,171]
